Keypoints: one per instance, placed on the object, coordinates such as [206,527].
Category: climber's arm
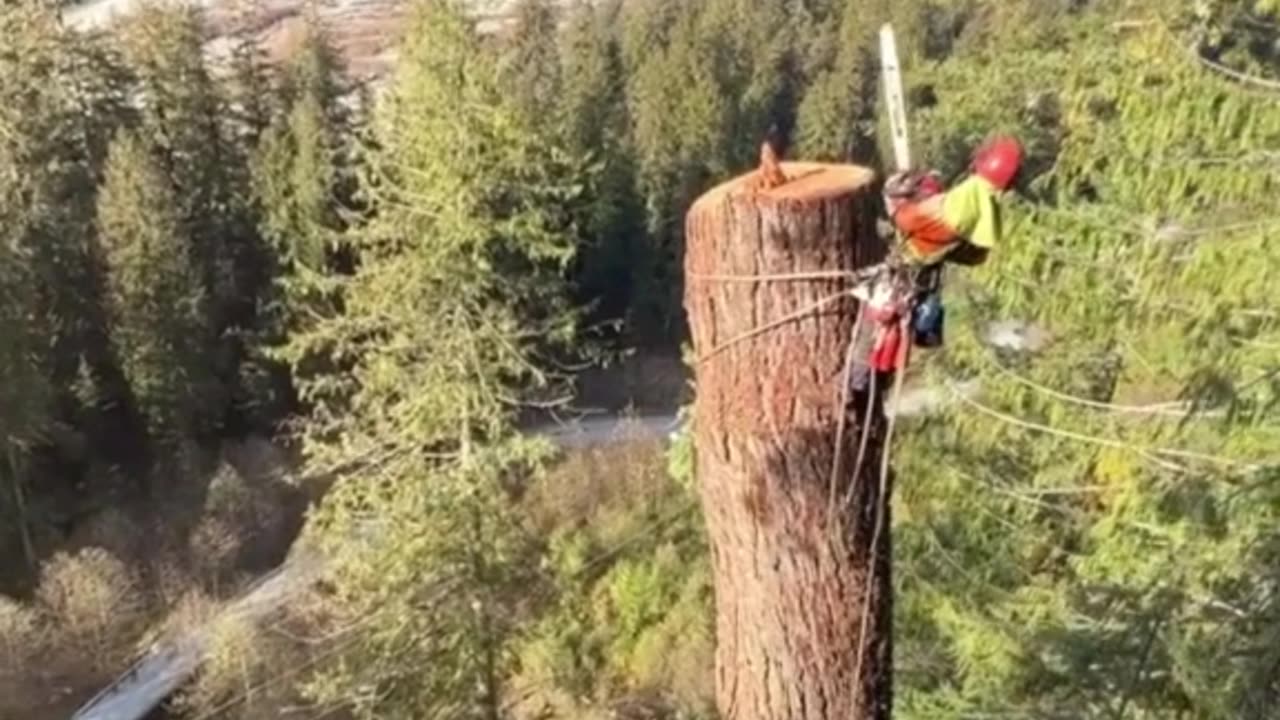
[966,253]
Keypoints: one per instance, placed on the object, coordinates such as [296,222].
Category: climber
[936,226]
[962,224]
[959,226]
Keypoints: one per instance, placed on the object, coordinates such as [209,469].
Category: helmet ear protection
[998,161]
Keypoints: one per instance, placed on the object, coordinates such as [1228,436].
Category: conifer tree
[155,294]
[531,60]
[180,120]
[837,115]
[593,116]
[48,183]
[315,69]
[185,124]
[25,393]
[58,96]
[297,167]
[458,283]
[740,72]
[249,92]
[679,135]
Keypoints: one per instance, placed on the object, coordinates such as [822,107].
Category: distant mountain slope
[365,32]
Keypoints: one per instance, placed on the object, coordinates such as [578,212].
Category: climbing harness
[928,312]
[897,301]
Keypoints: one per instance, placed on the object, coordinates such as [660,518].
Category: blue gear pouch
[927,320]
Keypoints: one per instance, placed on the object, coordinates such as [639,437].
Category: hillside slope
[365,32]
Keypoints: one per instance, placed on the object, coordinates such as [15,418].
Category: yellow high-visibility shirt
[970,211]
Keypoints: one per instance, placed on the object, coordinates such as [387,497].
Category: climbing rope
[855,277]
[873,390]
[846,378]
[882,502]
[757,332]
[1153,452]
[847,275]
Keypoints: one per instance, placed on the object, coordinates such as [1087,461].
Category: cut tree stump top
[771,354]
[806,182]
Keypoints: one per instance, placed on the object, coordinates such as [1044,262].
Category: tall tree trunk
[798,578]
[20,507]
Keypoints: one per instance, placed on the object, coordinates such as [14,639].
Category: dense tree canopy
[1097,542]
[389,281]
[155,296]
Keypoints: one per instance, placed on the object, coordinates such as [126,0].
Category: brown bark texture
[795,584]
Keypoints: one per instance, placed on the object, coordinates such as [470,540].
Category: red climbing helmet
[998,161]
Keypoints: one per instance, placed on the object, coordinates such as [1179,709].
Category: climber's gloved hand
[908,186]
[913,185]
[901,185]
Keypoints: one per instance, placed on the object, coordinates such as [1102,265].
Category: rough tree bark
[793,590]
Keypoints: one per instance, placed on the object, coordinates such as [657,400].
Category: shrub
[94,604]
[20,635]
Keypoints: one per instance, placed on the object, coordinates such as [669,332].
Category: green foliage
[530,61]
[506,192]
[297,166]
[180,120]
[737,67]
[1117,572]
[458,286]
[185,120]
[592,115]
[459,266]
[53,118]
[680,458]
[155,294]
[248,89]
[58,103]
[627,608]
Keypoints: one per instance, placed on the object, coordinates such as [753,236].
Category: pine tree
[297,167]
[740,72]
[458,283]
[181,120]
[837,114]
[156,296]
[53,119]
[679,136]
[592,115]
[25,393]
[59,95]
[186,124]
[531,63]
[314,69]
[249,92]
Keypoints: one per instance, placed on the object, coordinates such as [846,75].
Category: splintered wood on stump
[794,583]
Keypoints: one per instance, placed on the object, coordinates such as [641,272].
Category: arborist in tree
[935,226]
[962,224]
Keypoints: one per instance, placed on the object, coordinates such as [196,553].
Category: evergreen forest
[249,305]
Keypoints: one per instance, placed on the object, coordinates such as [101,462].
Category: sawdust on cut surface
[805,182]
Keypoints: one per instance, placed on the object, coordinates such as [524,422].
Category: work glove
[907,186]
[901,184]
[913,185]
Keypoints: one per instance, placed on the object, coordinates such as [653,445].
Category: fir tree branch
[1241,465]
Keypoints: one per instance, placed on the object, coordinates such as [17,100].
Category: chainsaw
[890,290]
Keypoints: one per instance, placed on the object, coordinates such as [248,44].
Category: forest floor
[622,418]
[238,526]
